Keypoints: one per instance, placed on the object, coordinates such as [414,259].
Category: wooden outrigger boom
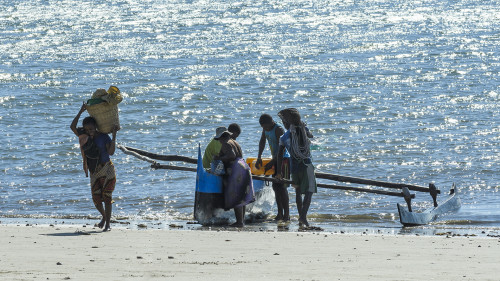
[148,156]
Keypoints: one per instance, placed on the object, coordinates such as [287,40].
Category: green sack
[94,101]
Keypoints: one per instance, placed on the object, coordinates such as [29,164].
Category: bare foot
[303,222]
[101,224]
[306,228]
[237,224]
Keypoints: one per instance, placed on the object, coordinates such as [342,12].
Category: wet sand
[77,253]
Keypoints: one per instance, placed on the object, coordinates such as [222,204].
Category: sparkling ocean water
[401,91]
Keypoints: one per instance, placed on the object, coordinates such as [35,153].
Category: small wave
[48,216]
[468,222]
[351,218]
[6,98]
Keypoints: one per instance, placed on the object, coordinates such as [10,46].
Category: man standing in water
[296,141]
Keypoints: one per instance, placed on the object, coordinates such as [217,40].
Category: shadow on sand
[76,233]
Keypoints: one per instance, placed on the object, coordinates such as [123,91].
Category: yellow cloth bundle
[112,95]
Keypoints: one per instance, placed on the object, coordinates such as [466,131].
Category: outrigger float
[450,205]
[208,201]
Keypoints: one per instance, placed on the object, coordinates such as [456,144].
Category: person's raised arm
[262,145]
[112,145]
[77,117]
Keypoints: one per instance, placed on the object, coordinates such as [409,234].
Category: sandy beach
[77,253]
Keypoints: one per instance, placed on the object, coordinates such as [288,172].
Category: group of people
[225,149]
[290,149]
[291,156]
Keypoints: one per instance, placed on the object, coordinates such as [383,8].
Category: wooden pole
[372,182]
[270,179]
[129,152]
[154,164]
[162,157]
[171,167]
[339,187]
[144,155]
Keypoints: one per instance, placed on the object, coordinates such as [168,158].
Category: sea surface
[399,91]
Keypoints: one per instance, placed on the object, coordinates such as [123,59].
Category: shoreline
[434,229]
[74,253]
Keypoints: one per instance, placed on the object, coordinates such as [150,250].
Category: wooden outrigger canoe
[209,199]
[409,218]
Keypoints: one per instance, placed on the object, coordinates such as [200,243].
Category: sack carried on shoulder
[104,108]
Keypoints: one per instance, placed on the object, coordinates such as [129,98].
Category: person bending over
[213,147]
[272,132]
[241,193]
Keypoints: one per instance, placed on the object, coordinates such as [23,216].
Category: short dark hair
[234,128]
[89,120]
[225,135]
[265,119]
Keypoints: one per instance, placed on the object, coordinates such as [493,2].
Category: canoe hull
[450,205]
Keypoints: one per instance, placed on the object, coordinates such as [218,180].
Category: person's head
[290,116]
[81,131]
[235,130]
[90,126]
[225,137]
[266,122]
[220,131]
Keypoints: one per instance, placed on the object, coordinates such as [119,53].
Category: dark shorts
[305,180]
